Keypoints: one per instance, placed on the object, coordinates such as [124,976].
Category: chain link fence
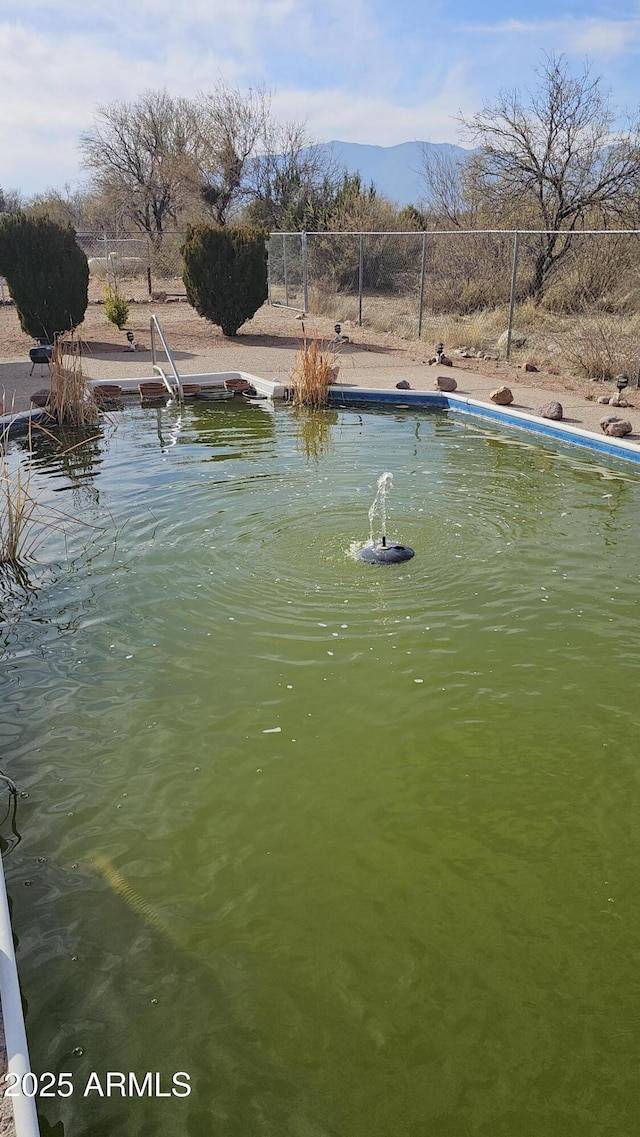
[556,301]
[569,300]
[142,267]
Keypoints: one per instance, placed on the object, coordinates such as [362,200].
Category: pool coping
[504,416]
[340,395]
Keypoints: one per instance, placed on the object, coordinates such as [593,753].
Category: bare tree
[448,197]
[65,207]
[551,161]
[293,180]
[163,160]
[142,157]
[230,127]
[11,201]
[249,160]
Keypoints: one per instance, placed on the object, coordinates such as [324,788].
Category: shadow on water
[140,977]
[70,456]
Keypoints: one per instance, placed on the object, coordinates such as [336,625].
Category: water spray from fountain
[379,506]
[379,552]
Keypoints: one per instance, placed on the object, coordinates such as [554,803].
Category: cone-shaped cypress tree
[46,273]
[225,274]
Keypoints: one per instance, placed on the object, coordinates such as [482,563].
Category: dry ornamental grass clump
[72,399]
[17,507]
[315,369]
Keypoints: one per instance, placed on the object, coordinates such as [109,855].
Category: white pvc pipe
[24,1108]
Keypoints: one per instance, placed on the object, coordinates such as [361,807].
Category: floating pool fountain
[380,552]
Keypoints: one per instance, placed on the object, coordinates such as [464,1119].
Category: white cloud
[604,38]
[353,70]
[51,90]
[597,37]
[55,75]
[376,119]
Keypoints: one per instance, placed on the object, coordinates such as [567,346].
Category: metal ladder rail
[155,327]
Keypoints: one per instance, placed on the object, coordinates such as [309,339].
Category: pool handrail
[155,327]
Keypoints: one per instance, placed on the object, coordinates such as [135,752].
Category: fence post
[305,275]
[360,276]
[269,244]
[512,296]
[422,268]
[285,269]
[149,284]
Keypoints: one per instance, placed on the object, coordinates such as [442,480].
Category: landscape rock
[616,427]
[518,339]
[502,395]
[603,399]
[490,355]
[530,367]
[441,360]
[618,400]
[403,385]
[552,409]
[445,383]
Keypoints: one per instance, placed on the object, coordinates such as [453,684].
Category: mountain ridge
[394,170]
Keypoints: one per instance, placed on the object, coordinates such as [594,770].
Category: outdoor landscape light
[131,338]
[439,348]
[337,329]
[622,381]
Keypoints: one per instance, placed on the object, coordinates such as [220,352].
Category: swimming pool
[354,847]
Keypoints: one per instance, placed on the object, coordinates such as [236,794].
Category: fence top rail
[456,232]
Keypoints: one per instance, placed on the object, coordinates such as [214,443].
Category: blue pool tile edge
[504,416]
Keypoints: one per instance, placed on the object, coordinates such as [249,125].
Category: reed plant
[24,520]
[315,368]
[72,399]
[17,507]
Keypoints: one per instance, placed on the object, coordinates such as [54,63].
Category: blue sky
[375,71]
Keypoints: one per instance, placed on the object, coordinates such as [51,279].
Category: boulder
[502,395]
[530,367]
[552,409]
[403,385]
[616,427]
[518,339]
[618,400]
[445,383]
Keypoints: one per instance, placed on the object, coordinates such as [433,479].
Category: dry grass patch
[72,398]
[315,368]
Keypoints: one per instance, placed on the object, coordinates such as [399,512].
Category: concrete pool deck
[359,367]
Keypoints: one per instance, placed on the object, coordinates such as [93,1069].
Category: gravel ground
[267,346]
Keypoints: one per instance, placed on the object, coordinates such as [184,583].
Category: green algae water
[355,848]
